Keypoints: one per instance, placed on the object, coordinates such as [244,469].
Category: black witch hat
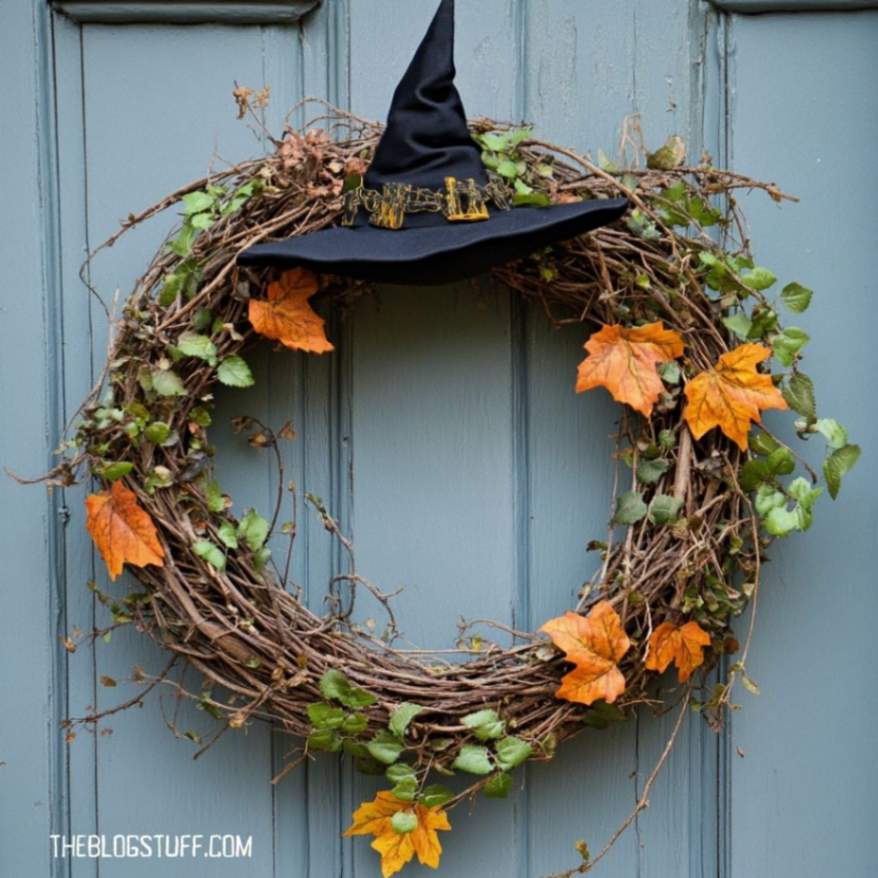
[427,211]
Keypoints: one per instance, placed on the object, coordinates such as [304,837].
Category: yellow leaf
[397,848]
[731,394]
[684,646]
[287,316]
[624,361]
[123,531]
[594,644]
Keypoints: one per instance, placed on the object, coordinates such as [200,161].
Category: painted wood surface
[445,433]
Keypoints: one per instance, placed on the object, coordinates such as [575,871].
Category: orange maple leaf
[594,644]
[624,361]
[123,531]
[397,848]
[287,316]
[731,394]
[684,646]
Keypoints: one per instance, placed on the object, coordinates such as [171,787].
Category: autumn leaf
[594,644]
[123,531]
[397,848]
[624,361]
[684,646]
[287,316]
[731,394]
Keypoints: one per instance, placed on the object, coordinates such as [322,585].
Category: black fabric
[433,255]
[426,140]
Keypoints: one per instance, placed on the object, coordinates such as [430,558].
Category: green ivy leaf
[385,748]
[768,498]
[485,724]
[216,502]
[403,822]
[796,297]
[630,508]
[194,345]
[664,509]
[253,530]
[762,443]
[400,772]
[507,168]
[402,716]
[739,324]
[799,394]
[650,471]
[435,796]
[325,739]
[759,278]
[473,759]
[498,785]
[228,536]
[788,344]
[355,724]
[511,752]
[834,433]
[838,464]
[325,716]
[752,474]
[165,382]
[781,461]
[196,202]
[336,686]
[234,372]
[157,432]
[210,552]
[113,471]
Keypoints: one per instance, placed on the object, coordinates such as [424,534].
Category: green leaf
[834,433]
[182,244]
[788,344]
[796,297]
[650,471]
[630,508]
[781,461]
[172,286]
[355,724]
[739,324]
[486,724]
[666,440]
[508,169]
[404,821]
[473,759]
[325,739]
[336,686]
[385,748]
[670,372]
[194,345]
[799,394]
[113,471]
[498,785]
[762,443]
[216,502]
[167,383]
[534,199]
[201,416]
[400,772]
[434,796]
[840,462]
[253,530]
[511,752]
[768,498]
[752,474]
[228,536]
[759,278]
[196,202]
[781,521]
[763,322]
[234,372]
[664,509]
[325,716]
[402,715]
[157,432]
[210,552]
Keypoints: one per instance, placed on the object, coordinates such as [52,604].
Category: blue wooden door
[444,433]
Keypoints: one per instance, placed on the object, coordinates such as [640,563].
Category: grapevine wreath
[680,326]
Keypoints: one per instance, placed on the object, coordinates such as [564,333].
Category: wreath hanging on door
[681,328]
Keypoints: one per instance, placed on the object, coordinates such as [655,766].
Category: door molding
[192,12]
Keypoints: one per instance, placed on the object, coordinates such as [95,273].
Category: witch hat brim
[423,255]
[427,146]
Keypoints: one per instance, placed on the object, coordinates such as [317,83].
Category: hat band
[461,201]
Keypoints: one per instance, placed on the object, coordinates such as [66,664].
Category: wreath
[682,329]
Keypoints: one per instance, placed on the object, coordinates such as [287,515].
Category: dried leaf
[397,848]
[287,316]
[123,531]
[594,644]
[684,646]
[624,361]
[731,394]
